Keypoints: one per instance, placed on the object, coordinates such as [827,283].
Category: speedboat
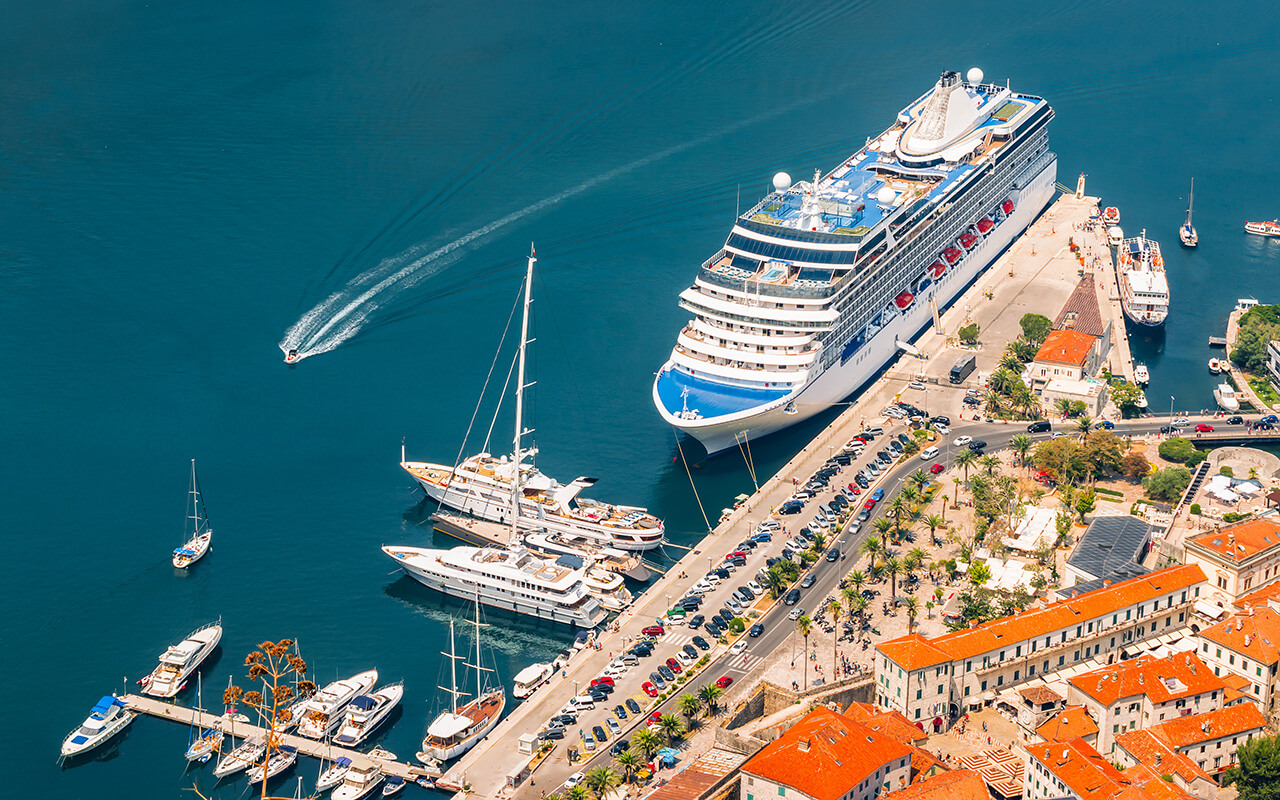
[292,357]
[1141,402]
[110,716]
[366,713]
[280,760]
[249,752]
[530,678]
[1225,394]
[1215,366]
[323,712]
[359,782]
[179,661]
[393,785]
[1140,375]
[333,776]
[199,539]
[1271,228]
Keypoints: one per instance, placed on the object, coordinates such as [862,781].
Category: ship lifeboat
[937,268]
[903,300]
[968,240]
[985,225]
[1111,215]
[951,254]
[1007,206]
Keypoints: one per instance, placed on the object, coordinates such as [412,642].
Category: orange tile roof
[923,761]
[893,724]
[1081,768]
[1260,598]
[840,754]
[1255,635]
[959,784]
[1241,541]
[1147,784]
[1066,347]
[1161,679]
[1073,722]
[916,652]
[1200,728]
[1238,689]
[1157,754]
[1040,695]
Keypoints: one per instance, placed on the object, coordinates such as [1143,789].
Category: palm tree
[874,545]
[805,626]
[850,594]
[630,761]
[819,539]
[1026,400]
[857,579]
[1063,405]
[600,780]
[912,605]
[833,608]
[1021,445]
[708,695]
[1010,362]
[578,792]
[646,742]
[860,604]
[893,568]
[933,522]
[993,399]
[671,727]
[910,492]
[897,507]
[775,582]
[928,607]
[919,479]
[966,458]
[689,706]
[916,556]
[990,464]
[1083,425]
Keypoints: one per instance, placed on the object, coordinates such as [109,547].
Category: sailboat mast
[517,454]
[479,677]
[453,668]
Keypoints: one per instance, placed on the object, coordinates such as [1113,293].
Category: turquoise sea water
[184,182]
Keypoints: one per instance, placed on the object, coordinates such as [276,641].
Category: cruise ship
[512,579]
[1144,286]
[820,282]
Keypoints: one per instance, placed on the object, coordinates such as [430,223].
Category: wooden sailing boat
[200,538]
[456,731]
[1187,233]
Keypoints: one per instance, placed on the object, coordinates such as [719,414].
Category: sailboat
[456,731]
[1187,233]
[202,744]
[201,536]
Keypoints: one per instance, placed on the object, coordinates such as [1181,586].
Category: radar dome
[885,196]
[781,182]
[974,76]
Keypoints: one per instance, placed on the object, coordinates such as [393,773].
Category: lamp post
[1170,410]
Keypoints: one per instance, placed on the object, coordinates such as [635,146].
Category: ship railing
[800,289]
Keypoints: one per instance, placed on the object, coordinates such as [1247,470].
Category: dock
[242,730]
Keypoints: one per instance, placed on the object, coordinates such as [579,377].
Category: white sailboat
[1187,233]
[200,539]
[202,744]
[456,731]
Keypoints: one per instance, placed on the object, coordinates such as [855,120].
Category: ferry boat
[1225,394]
[1144,286]
[110,716]
[513,579]
[323,712]
[819,282]
[1271,228]
[482,485]
[1187,233]
[366,713]
[461,728]
[179,661]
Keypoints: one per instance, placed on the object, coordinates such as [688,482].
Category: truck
[963,368]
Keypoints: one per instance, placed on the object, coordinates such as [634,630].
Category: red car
[870,504]
[654,630]
[603,679]
[674,665]
[1202,428]
[654,718]
[734,554]
[936,468]
[724,682]
[649,689]
[853,487]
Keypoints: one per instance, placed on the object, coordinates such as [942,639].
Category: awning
[989,696]
[1205,608]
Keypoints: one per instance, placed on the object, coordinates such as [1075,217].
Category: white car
[894,412]
[615,670]
[702,587]
[684,658]
[768,525]
[574,780]
[712,579]
[940,428]
[1181,421]
[961,441]
[755,588]
[738,648]
[915,385]
[796,613]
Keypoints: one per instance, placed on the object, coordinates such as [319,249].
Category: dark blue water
[183,182]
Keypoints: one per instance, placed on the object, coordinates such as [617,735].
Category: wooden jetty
[310,747]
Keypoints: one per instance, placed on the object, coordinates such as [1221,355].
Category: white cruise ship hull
[839,380]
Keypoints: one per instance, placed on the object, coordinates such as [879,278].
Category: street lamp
[1171,409]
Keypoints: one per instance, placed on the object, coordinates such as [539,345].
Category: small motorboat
[292,357]
[1111,216]
[985,225]
[249,752]
[951,254]
[110,716]
[1215,366]
[359,782]
[1271,228]
[280,760]
[425,782]
[968,240]
[333,776]
[393,785]
[937,268]
[1140,375]
[1141,402]
[530,678]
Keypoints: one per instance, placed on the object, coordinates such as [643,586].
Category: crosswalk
[743,663]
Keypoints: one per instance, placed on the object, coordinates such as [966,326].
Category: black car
[787,553]
[864,515]
[690,651]
[895,447]
[739,561]
[702,644]
[1170,429]
[633,706]
[862,481]
[696,621]
[748,544]
[642,648]
[598,732]
[941,419]
[808,581]
[713,628]
[551,733]
[595,694]
[977,445]
[1264,426]
[657,680]
[725,614]
[970,400]
[756,630]
[769,562]
[722,573]
[1039,426]
[791,507]
[619,711]
[840,501]
[792,597]
[905,439]
[666,673]
[606,688]
[843,460]
[564,719]
[1236,420]
[620,746]
[833,554]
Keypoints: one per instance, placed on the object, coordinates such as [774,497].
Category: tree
[709,695]
[578,792]
[775,582]
[1003,380]
[600,780]
[1086,501]
[1256,774]
[819,539]
[804,626]
[893,568]
[1135,466]
[1022,350]
[915,558]
[1125,395]
[630,761]
[1084,424]
[1062,526]
[912,604]
[1021,446]
[689,706]
[1168,484]
[857,580]
[911,446]
[928,607]
[860,605]
[919,480]
[979,573]
[1035,327]
[1063,405]
[1178,450]
[1258,326]
[965,459]
[969,333]
[933,522]
[1078,407]
[1011,362]
[874,545]
[1061,458]
[646,742]
[1102,452]
[671,727]
[989,464]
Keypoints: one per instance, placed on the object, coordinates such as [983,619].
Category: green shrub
[737,625]
[1232,516]
[1168,484]
[1111,492]
[1225,470]
[1178,450]
[1195,509]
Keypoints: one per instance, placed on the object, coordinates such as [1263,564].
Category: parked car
[672,665]
[656,680]
[940,420]
[941,427]
[633,706]
[702,643]
[697,621]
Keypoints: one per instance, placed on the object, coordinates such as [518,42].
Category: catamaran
[456,731]
[179,661]
[1187,233]
[200,539]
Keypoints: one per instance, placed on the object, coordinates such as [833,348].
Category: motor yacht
[323,713]
[366,713]
[110,716]
[359,782]
[179,661]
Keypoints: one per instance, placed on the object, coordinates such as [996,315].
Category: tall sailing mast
[453,657]
[517,453]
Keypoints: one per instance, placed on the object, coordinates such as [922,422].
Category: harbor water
[188,185]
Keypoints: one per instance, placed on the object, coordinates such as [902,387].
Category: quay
[310,747]
[1036,274]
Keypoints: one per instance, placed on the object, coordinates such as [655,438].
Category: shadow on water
[107,752]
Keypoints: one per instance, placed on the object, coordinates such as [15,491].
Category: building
[1111,549]
[1039,703]
[930,680]
[1273,360]
[1211,740]
[1144,692]
[1248,645]
[1092,393]
[959,784]
[1145,748]
[1238,559]
[1065,355]
[1081,313]
[1074,769]
[827,756]
[1073,722]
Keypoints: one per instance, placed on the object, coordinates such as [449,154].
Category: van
[1041,426]
[929,453]
[583,702]
[874,430]
[630,659]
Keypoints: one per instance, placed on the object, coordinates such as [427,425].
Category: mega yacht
[323,712]
[366,713]
[179,661]
[110,716]
[461,728]
[513,579]
[820,283]
[1144,286]
[507,489]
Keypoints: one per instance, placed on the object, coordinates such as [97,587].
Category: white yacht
[333,775]
[359,782]
[110,716]
[1144,285]
[1141,375]
[1225,394]
[554,545]
[512,579]
[366,713]
[482,485]
[248,753]
[1187,233]
[323,712]
[461,728]
[280,760]
[179,661]
[199,539]
[530,678]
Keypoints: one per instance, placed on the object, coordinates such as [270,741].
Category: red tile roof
[923,762]
[893,724]
[1161,679]
[1238,689]
[1157,754]
[1260,598]
[1241,541]
[1080,312]
[1256,635]
[916,652]
[1066,347]
[1147,784]
[1040,695]
[824,755]
[1197,729]
[960,784]
[1073,722]
[1080,767]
